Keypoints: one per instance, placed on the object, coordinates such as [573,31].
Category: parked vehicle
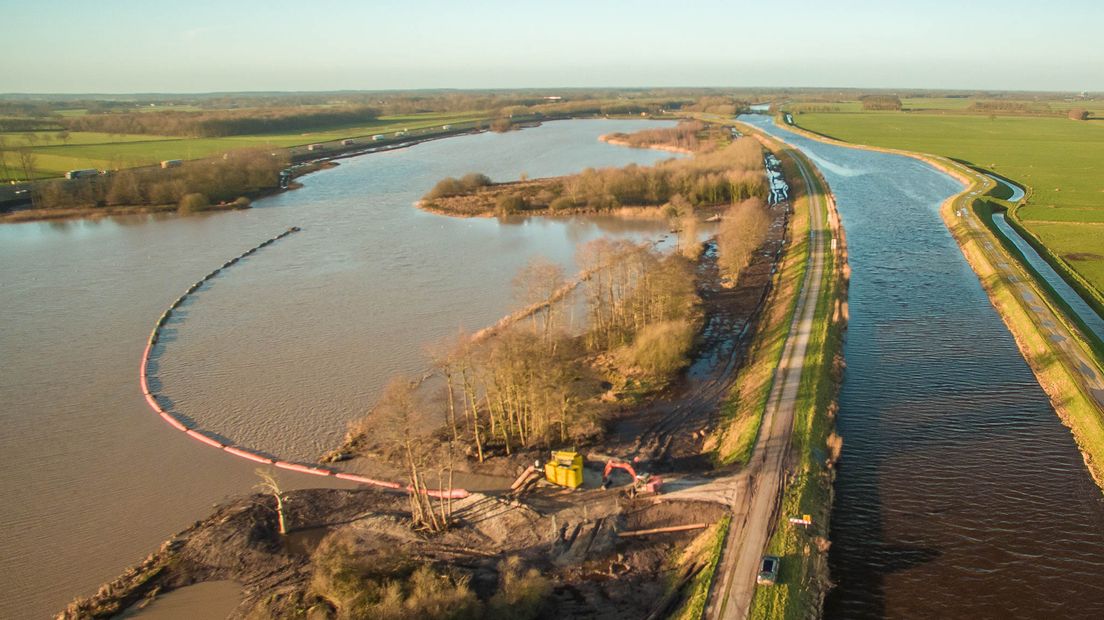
[768,570]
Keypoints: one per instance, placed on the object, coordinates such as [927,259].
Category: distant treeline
[29,124]
[238,174]
[724,106]
[880,102]
[220,123]
[1012,107]
[803,108]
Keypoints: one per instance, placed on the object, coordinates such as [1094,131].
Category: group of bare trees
[450,186]
[743,230]
[732,173]
[685,135]
[18,163]
[226,178]
[532,384]
[630,288]
[726,175]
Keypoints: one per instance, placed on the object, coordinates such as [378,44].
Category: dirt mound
[240,543]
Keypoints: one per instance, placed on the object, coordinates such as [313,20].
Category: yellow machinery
[565,469]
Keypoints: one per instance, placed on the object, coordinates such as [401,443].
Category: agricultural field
[1061,160]
[54,155]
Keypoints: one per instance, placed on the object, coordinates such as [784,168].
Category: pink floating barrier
[302,468]
[366,480]
[171,419]
[142,368]
[153,402]
[246,454]
[211,441]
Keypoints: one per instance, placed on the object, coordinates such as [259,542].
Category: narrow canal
[960,494]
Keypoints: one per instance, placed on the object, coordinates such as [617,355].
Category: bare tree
[28,160]
[4,157]
[537,284]
[742,231]
[269,485]
[396,414]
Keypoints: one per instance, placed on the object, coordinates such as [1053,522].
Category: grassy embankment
[110,151]
[1055,367]
[803,578]
[742,411]
[706,549]
[1057,159]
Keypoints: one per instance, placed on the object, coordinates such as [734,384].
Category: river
[960,494]
[276,355]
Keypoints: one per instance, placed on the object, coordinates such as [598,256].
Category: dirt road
[754,493]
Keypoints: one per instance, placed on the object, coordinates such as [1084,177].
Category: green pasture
[1062,161]
[108,151]
[1080,244]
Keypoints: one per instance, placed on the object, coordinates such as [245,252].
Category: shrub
[508,204]
[447,186]
[520,594]
[662,348]
[561,204]
[190,203]
[473,180]
[384,587]
[450,186]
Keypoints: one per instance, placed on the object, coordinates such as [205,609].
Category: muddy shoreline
[585,546]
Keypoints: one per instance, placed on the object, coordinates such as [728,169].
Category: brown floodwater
[212,600]
[276,354]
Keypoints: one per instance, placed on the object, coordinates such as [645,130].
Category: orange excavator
[643,483]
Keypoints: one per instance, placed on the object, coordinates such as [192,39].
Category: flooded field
[277,355]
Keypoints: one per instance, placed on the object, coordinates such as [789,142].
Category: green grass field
[108,151]
[1062,161]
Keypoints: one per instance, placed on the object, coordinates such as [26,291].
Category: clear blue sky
[200,45]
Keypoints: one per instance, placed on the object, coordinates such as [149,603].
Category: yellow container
[565,469]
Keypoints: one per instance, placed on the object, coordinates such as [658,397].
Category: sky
[124,46]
